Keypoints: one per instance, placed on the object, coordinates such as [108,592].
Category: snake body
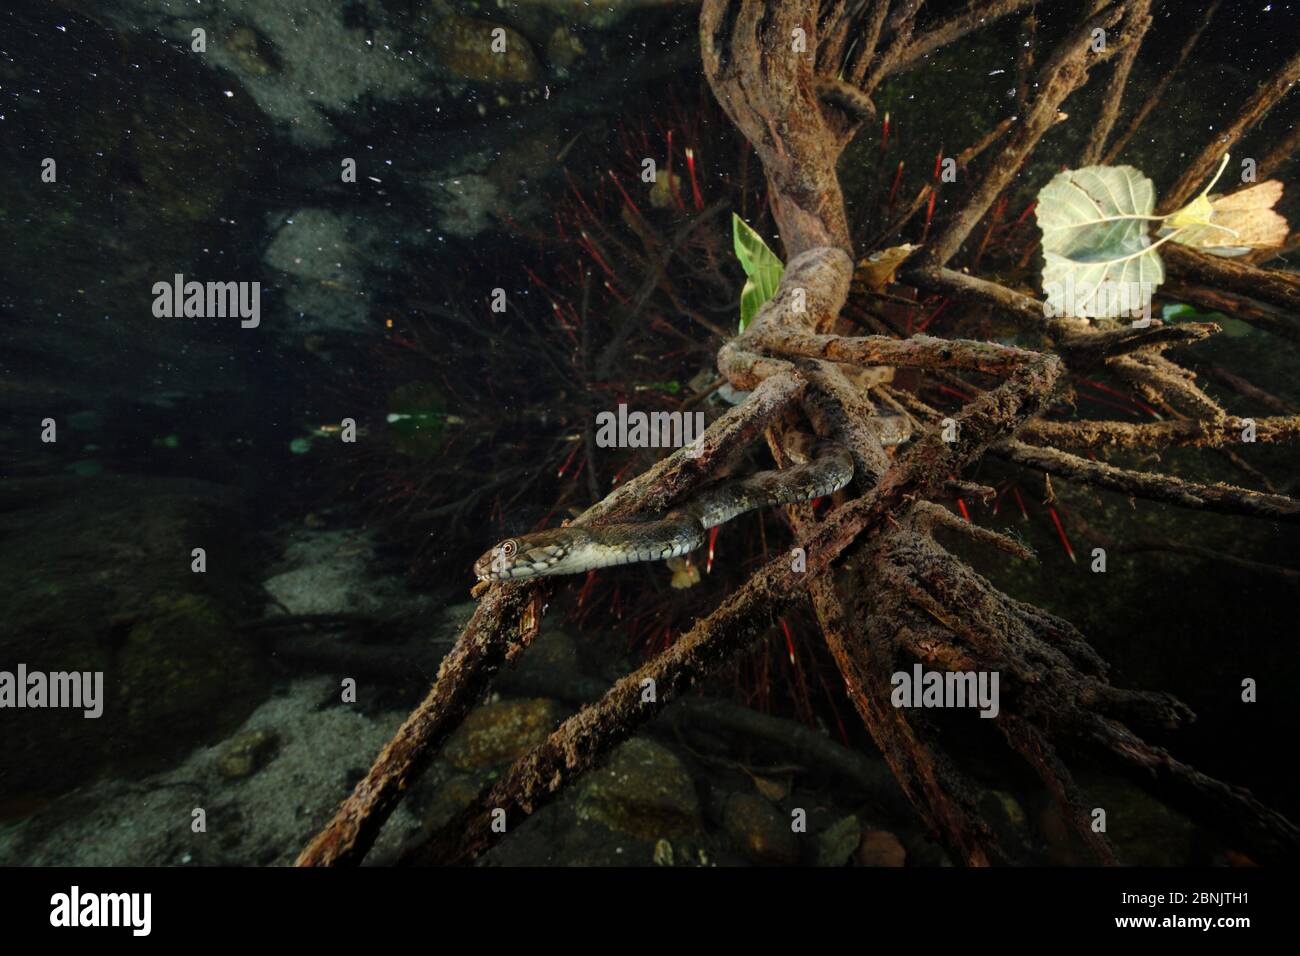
[577,548]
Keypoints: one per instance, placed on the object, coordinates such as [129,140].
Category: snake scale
[575,549]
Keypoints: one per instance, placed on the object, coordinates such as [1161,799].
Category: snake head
[530,557]
[493,565]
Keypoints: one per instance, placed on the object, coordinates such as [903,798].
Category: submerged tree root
[885,593]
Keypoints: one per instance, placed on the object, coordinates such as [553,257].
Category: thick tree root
[886,595]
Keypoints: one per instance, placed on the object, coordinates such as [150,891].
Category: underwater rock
[454,794]
[180,664]
[165,152]
[663,853]
[880,848]
[597,14]
[835,844]
[550,666]
[644,791]
[264,819]
[246,753]
[520,166]
[1144,831]
[255,54]
[148,185]
[328,572]
[500,732]
[303,63]
[465,204]
[326,288]
[96,576]
[757,829]
[471,49]
[563,48]
[171,131]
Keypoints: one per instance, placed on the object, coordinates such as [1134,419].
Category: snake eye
[508,548]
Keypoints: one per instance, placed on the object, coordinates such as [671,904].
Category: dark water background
[182,433]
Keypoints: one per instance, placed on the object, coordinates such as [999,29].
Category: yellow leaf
[774,790]
[877,270]
[1195,213]
[1241,222]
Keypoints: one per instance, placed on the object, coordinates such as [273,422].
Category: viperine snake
[576,548]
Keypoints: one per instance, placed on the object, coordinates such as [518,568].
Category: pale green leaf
[1100,261]
[761,265]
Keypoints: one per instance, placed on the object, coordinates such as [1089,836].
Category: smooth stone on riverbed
[501,732]
[758,830]
[835,844]
[452,796]
[880,848]
[644,791]
[247,753]
[464,47]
